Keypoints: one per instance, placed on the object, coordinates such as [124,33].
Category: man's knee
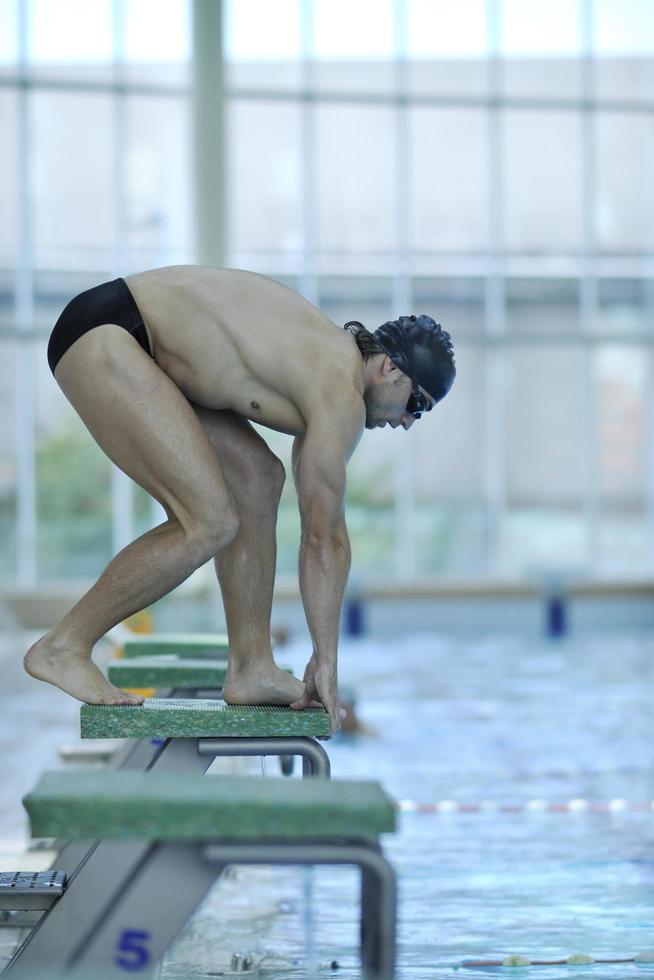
[263,491]
[212,535]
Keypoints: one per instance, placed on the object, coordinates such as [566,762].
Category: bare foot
[261,685]
[75,673]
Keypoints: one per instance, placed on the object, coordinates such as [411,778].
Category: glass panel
[8,36]
[9,163]
[625,190]
[446,46]
[532,28]
[548,78]
[364,298]
[71,39]
[449,179]
[73,478]
[448,474]
[541,46]
[161,56]
[626,306]
[624,542]
[263,162]
[73,179]
[458,304]
[544,427]
[624,42]
[628,77]
[544,525]
[542,181]
[268,57]
[369,33]
[360,57]
[620,381]
[449,29]
[624,27]
[355,202]
[8,463]
[159,182]
[623,382]
[543,307]
[536,541]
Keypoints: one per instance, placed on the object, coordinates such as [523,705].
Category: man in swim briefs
[168,369]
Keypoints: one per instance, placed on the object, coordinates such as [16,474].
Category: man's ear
[387,366]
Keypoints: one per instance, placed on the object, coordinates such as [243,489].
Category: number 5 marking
[136,955]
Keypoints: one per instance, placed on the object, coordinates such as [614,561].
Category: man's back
[239,340]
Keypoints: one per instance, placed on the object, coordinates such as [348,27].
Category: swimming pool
[496,725]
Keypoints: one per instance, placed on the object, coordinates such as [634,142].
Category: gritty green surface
[167,670]
[174,806]
[193,645]
[200,718]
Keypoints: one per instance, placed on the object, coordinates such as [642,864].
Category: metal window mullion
[435,100]
[588,291]
[209,156]
[649,460]
[403,448]
[308,171]
[495,365]
[26,500]
[648,272]
[122,509]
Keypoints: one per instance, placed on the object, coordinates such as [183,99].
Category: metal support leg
[138,926]
[136,929]
[371,919]
[100,878]
[378,888]
[315,761]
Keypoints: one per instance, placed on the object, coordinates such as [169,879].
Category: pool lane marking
[646,956]
[576,805]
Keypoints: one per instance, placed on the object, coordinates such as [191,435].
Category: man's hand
[321,685]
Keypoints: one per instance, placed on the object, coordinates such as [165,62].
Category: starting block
[168,672]
[118,912]
[194,646]
[189,730]
[178,735]
[171,676]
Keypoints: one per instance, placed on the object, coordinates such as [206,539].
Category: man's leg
[143,422]
[246,566]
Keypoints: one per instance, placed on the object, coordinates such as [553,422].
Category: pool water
[504,721]
[497,722]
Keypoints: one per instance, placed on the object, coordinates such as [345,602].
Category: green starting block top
[200,718]
[167,670]
[194,645]
[176,806]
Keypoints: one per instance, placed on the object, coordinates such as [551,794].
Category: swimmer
[168,369]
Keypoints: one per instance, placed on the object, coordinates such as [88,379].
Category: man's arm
[319,460]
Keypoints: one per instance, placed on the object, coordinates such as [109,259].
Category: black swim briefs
[110,302]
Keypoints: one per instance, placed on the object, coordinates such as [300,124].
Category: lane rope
[577,805]
[515,959]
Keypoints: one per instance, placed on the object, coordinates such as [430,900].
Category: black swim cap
[420,348]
